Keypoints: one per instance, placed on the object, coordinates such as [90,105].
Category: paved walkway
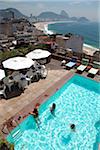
[10,107]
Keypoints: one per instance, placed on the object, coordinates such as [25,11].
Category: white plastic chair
[8,82]
[29,76]
[44,73]
[36,75]
[63,62]
[22,83]
[2,92]
[43,67]
[17,78]
[15,73]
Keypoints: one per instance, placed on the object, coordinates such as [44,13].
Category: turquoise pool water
[78,102]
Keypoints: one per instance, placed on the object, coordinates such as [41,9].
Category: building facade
[74,42]
[6,28]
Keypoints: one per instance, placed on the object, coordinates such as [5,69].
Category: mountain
[44,16]
[63,16]
[63,13]
[73,18]
[47,15]
[83,19]
[52,16]
[10,13]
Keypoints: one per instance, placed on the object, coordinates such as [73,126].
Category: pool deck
[37,92]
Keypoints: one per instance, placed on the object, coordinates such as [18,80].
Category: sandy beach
[89,50]
[40,25]
[43,26]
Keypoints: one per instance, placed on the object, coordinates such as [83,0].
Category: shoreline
[43,26]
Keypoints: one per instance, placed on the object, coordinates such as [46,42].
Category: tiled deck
[10,107]
[36,92]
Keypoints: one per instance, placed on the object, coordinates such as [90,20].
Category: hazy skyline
[77,8]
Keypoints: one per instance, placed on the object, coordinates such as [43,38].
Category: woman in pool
[37,105]
[52,109]
[72,126]
[35,113]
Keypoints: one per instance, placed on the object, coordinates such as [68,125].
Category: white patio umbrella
[38,54]
[17,63]
[2,74]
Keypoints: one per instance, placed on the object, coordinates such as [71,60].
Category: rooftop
[24,103]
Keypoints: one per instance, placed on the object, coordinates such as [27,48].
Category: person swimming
[72,126]
[35,114]
[37,105]
[52,109]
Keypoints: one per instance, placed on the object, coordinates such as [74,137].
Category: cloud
[78,2]
[40,6]
[9,1]
[69,1]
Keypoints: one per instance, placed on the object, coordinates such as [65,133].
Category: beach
[43,26]
[89,50]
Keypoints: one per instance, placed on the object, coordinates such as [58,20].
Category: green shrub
[4,145]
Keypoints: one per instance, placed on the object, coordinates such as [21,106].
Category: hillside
[62,16]
[10,13]
[52,15]
[46,16]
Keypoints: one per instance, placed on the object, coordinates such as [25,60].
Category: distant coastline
[43,26]
[89,30]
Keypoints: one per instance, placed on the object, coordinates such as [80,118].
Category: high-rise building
[6,28]
[74,42]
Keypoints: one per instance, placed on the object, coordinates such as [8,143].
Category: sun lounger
[96,64]
[85,61]
[70,64]
[81,68]
[93,72]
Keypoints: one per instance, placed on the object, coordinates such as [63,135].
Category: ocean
[89,30]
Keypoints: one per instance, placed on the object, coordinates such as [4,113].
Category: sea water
[89,30]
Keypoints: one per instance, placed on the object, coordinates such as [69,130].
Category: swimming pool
[77,102]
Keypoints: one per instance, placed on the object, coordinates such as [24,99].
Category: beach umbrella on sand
[17,63]
[2,74]
[38,54]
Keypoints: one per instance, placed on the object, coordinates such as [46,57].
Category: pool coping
[39,99]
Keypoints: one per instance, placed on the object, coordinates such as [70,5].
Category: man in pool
[52,109]
[72,126]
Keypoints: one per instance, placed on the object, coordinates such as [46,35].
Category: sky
[77,8]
